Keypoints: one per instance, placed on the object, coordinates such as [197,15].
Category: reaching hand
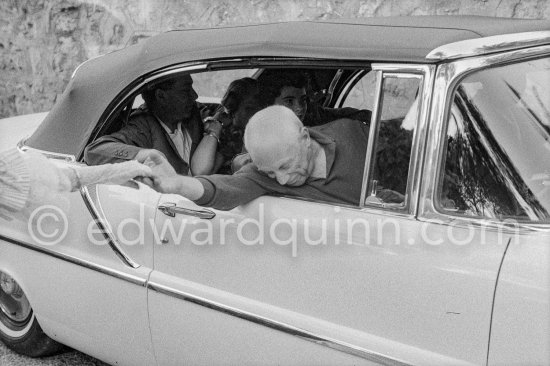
[159,165]
[143,154]
[163,176]
[239,161]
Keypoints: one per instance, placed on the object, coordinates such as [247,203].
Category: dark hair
[149,93]
[274,81]
[237,91]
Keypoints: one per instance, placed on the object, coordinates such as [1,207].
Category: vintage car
[457,272]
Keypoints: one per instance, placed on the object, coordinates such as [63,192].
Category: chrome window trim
[373,135]
[489,45]
[50,155]
[447,76]
[426,73]
[350,84]
[276,325]
[82,64]
[94,206]
[79,262]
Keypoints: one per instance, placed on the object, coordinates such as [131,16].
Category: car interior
[329,87]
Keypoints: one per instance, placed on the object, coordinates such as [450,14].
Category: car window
[211,86]
[361,95]
[393,144]
[497,159]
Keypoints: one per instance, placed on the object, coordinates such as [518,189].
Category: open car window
[355,99]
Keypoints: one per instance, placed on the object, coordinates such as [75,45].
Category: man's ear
[304,135]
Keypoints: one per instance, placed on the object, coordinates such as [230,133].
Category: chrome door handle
[171,210]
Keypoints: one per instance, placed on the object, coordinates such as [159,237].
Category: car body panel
[14,129]
[522,300]
[308,286]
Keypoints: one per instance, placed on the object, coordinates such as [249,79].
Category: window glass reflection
[498,144]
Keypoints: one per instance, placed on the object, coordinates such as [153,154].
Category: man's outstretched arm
[164,178]
[222,192]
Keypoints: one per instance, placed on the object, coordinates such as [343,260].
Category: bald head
[271,130]
[279,145]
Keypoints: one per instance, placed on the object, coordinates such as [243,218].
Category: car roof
[396,39]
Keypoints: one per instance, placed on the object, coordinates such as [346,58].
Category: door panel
[398,289]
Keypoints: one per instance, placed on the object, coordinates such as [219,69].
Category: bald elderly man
[323,163]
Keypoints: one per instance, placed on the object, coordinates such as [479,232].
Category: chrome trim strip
[82,63]
[468,222]
[400,68]
[276,325]
[94,206]
[420,137]
[446,78]
[79,262]
[488,45]
[351,82]
[373,135]
[50,155]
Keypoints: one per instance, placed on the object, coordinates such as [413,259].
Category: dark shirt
[231,144]
[143,131]
[345,145]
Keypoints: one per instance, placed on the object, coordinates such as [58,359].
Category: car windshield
[498,144]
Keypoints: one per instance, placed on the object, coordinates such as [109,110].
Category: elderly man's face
[290,164]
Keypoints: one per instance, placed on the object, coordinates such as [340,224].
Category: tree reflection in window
[498,145]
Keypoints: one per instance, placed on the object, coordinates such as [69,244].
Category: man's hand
[162,172]
[239,161]
[159,164]
[164,178]
[143,154]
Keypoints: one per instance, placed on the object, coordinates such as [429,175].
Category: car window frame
[448,76]
[425,72]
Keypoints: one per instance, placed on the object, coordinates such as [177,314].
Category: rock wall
[42,41]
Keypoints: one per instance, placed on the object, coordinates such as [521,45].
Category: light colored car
[455,271]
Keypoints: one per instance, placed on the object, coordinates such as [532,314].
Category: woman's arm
[207,160]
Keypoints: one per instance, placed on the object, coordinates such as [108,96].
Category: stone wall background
[42,41]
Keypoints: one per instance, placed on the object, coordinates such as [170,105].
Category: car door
[290,281]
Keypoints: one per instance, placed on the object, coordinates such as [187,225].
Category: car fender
[14,129]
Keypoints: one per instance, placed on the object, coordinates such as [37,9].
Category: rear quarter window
[497,159]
